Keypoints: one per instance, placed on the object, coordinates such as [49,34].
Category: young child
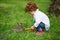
[41,20]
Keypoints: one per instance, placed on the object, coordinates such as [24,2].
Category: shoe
[39,32]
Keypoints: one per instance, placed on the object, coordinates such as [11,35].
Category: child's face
[32,12]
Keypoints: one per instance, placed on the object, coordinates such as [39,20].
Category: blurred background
[12,11]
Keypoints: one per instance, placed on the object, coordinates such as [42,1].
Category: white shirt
[41,17]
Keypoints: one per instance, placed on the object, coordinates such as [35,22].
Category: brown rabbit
[18,28]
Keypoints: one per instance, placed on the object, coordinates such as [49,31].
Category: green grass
[12,11]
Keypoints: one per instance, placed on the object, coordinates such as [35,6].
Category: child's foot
[39,32]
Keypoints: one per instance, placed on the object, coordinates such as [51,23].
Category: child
[41,20]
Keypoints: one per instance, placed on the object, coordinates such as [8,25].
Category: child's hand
[32,27]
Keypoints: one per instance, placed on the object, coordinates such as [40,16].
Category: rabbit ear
[19,23]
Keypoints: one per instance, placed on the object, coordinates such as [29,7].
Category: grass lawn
[12,11]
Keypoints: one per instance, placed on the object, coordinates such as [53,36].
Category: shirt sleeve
[37,21]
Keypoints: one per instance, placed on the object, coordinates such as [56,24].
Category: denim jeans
[40,26]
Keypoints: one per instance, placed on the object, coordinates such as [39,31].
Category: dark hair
[31,6]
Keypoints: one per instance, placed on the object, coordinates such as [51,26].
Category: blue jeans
[40,26]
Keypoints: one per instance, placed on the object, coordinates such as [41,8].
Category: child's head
[31,7]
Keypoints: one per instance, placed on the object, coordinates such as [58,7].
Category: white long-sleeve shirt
[41,17]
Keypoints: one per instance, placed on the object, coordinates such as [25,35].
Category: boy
[41,20]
